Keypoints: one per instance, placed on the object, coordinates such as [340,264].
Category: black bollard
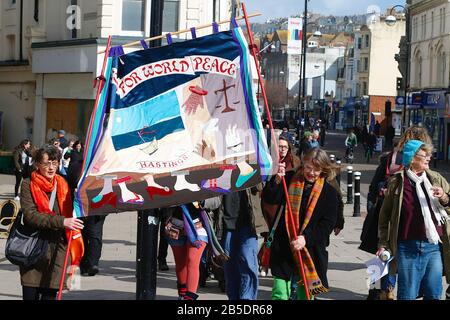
[332,158]
[338,173]
[146,252]
[356,205]
[349,185]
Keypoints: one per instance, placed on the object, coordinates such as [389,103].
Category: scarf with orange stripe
[295,197]
[40,187]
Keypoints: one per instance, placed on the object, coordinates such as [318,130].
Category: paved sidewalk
[116,280]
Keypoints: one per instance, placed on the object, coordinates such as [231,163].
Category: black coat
[74,171]
[317,233]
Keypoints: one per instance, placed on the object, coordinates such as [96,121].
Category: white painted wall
[383,69]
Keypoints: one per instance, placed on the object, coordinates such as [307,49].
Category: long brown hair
[320,159]
[414,133]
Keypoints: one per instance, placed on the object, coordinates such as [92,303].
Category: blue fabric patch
[142,136]
[146,114]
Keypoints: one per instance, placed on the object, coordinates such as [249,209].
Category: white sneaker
[17,198]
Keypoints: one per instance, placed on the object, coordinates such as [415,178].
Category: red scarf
[40,187]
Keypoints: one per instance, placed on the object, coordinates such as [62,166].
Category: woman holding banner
[314,209]
[42,280]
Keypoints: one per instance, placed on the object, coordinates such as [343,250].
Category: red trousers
[187,263]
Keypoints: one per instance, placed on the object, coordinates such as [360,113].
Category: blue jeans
[241,271]
[419,268]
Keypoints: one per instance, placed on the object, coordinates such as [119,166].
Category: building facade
[429,76]
[49,56]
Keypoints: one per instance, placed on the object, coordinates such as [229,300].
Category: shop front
[427,108]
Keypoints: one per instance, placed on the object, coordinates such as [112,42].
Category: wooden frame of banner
[204,26]
[101,80]
[254,51]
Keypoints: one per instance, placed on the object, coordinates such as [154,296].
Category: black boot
[190,296]
[181,291]
[374,294]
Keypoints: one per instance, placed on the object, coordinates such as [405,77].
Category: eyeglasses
[54,164]
[424,156]
[283,147]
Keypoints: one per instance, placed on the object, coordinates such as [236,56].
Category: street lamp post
[390,21]
[287,94]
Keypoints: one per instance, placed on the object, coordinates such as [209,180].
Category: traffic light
[387,108]
[399,84]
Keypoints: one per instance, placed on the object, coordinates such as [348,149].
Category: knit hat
[61,132]
[409,151]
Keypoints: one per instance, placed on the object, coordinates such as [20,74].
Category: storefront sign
[434,99]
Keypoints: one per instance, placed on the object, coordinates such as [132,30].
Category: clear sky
[285,8]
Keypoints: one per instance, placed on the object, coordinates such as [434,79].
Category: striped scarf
[295,197]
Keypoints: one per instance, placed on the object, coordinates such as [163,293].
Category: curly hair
[414,133]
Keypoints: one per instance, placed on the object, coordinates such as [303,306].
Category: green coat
[46,273]
[389,219]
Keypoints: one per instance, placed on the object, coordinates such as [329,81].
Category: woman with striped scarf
[314,213]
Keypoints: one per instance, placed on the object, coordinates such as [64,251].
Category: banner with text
[175,124]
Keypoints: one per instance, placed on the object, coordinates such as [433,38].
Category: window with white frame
[171,15]
[134,16]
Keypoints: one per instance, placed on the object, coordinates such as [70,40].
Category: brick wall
[377,104]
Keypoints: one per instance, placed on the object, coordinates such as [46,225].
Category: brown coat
[47,272]
[389,220]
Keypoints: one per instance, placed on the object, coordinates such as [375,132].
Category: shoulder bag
[24,246]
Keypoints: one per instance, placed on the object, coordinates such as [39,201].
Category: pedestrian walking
[188,231]
[390,164]
[314,208]
[240,242]
[22,164]
[41,281]
[414,225]
[75,165]
[62,139]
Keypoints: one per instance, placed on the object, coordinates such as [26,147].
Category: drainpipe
[21,31]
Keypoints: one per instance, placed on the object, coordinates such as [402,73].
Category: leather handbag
[25,247]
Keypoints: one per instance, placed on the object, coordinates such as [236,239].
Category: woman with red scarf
[41,281]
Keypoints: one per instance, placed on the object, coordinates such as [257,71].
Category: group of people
[408,208]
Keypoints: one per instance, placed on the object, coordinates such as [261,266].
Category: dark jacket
[74,170]
[17,159]
[317,234]
[240,209]
[369,233]
[47,272]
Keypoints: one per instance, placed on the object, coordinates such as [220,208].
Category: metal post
[406,82]
[338,174]
[356,205]
[304,44]
[147,222]
[146,251]
[349,185]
